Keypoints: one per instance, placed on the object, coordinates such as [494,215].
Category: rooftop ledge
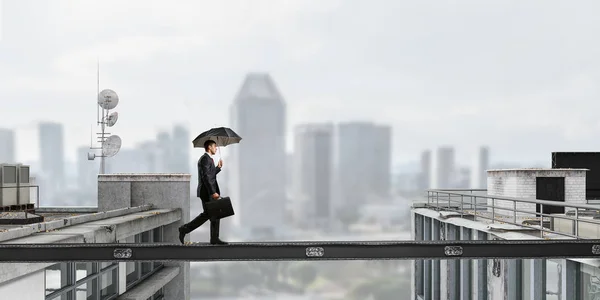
[144,177]
[535,169]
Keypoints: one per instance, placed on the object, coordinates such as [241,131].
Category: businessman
[208,190]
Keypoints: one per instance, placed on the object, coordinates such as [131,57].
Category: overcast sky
[519,76]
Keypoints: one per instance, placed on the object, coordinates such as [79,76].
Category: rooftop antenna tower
[110,144]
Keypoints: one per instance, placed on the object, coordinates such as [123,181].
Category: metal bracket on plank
[122,253]
[315,251]
[453,250]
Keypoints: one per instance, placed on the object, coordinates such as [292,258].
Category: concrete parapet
[162,190]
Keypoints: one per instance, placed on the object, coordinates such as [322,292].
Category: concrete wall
[162,191]
[521,183]
[21,288]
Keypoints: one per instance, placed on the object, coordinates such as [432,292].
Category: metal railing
[467,202]
[18,196]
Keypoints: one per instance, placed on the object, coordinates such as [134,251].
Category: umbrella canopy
[223,136]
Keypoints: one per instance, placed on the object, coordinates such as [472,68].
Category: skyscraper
[52,156]
[7,146]
[382,154]
[313,173]
[180,150]
[164,147]
[87,170]
[258,175]
[425,176]
[442,168]
[480,167]
[364,162]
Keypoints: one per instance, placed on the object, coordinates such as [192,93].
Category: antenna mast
[107,100]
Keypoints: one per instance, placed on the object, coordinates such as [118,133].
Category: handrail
[434,200]
[527,200]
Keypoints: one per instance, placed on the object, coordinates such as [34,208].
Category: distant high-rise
[313,173]
[87,170]
[443,168]
[7,146]
[480,167]
[180,150]
[164,147]
[258,174]
[52,157]
[364,161]
[382,154]
[150,158]
[425,176]
[128,161]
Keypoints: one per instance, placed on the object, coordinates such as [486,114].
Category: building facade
[491,215]
[52,158]
[313,173]
[123,215]
[258,115]
[7,146]
[363,148]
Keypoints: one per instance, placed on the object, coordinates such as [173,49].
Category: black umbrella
[223,136]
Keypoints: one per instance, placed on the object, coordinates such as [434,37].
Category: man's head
[211,147]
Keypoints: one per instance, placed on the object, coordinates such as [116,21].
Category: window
[157,234]
[526,277]
[87,291]
[108,283]
[82,270]
[82,281]
[56,277]
[554,279]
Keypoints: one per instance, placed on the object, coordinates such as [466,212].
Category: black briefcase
[220,208]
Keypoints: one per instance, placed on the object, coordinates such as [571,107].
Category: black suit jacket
[207,178]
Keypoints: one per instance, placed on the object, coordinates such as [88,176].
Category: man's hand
[215,196]
[220,164]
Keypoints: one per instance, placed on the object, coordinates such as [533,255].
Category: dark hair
[207,144]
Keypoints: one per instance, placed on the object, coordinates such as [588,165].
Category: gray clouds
[520,76]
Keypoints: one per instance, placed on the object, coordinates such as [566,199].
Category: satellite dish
[111,146]
[112,119]
[91,156]
[108,99]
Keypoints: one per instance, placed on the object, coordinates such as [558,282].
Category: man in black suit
[208,189]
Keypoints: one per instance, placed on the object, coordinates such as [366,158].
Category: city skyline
[449,81]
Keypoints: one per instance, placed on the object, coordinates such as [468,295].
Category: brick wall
[521,183]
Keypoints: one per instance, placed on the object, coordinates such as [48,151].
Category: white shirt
[213,158]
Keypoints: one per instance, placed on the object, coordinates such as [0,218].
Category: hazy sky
[519,76]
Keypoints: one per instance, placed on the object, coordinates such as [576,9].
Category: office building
[7,146]
[313,172]
[443,168]
[121,216]
[258,114]
[180,150]
[425,174]
[52,158]
[480,165]
[87,171]
[506,211]
[363,162]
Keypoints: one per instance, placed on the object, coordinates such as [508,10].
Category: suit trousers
[201,219]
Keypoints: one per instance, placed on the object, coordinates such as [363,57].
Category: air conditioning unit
[24,184]
[8,184]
